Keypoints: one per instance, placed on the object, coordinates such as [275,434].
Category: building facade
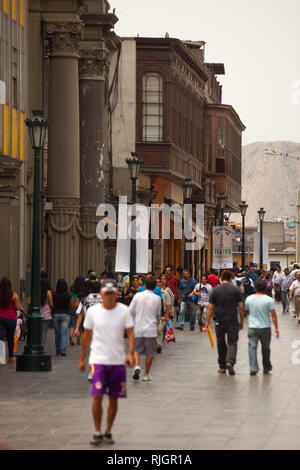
[13,81]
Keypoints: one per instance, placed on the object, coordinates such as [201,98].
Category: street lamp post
[134,165]
[187,194]
[222,198]
[33,358]
[243,207]
[261,214]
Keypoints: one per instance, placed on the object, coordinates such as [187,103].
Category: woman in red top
[9,304]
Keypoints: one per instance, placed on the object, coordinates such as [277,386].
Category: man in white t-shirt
[104,327]
[295,292]
[145,307]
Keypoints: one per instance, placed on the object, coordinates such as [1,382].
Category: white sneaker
[147,378]
[137,371]
[90,376]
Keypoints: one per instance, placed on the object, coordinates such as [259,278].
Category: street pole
[261,214]
[243,208]
[33,358]
[222,198]
[133,233]
[134,165]
[261,246]
[243,243]
[187,194]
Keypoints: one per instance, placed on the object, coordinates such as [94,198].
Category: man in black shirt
[224,302]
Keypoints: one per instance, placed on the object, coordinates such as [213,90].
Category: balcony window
[152,107]
[221,131]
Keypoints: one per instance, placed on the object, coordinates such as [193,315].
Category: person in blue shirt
[259,306]
[157,289]
[253,274]
[186,287]
[285,281]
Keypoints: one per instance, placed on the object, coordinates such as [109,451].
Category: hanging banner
[222,247]
[256,250]
[124,239]
[142,238]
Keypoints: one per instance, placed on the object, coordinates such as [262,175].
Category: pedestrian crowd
[98,313]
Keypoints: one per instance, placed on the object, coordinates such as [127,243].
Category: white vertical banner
[222,247]
[142,238]
[256,250]
[124,238]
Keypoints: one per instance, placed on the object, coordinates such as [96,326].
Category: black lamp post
[261,214]
[222,198]
[243,207]
[134,165]
[187,194]
[33,358]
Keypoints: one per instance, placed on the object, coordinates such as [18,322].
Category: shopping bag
[210,336]
[170,333]
[3,358]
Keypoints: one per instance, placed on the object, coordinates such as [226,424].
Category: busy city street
[150,228]
[188,405]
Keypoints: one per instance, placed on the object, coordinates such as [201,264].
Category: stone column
[93,67]
[63,152]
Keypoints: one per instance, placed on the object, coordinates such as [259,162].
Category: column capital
[63,38]
[93,64]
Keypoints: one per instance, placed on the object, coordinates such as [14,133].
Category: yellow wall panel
[22,136]
[15,133]
[5,6]
[22,12]
[14,9]
[6,129]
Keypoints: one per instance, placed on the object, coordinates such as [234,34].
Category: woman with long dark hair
[9,304]
[76,291]
[62,303]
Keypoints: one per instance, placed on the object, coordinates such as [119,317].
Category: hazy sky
[257,40]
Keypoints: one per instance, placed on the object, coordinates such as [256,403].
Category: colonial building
[182,130]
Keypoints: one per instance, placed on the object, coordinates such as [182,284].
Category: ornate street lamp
[33,358]
[261,214]
[134,165]
[243,208]
[187,194]
[222,198]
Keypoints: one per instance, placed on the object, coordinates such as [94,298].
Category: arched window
[152,107]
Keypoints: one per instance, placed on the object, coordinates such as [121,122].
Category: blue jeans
[190,308]
[285,300]
[61,324]
[264,336]
[45,326]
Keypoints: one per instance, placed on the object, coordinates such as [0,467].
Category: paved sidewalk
[187,406]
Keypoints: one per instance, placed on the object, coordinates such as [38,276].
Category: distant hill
[270,181]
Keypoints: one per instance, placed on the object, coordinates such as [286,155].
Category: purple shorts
[110,380]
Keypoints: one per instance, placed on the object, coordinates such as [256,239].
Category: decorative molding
[93,64]
[63,38]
